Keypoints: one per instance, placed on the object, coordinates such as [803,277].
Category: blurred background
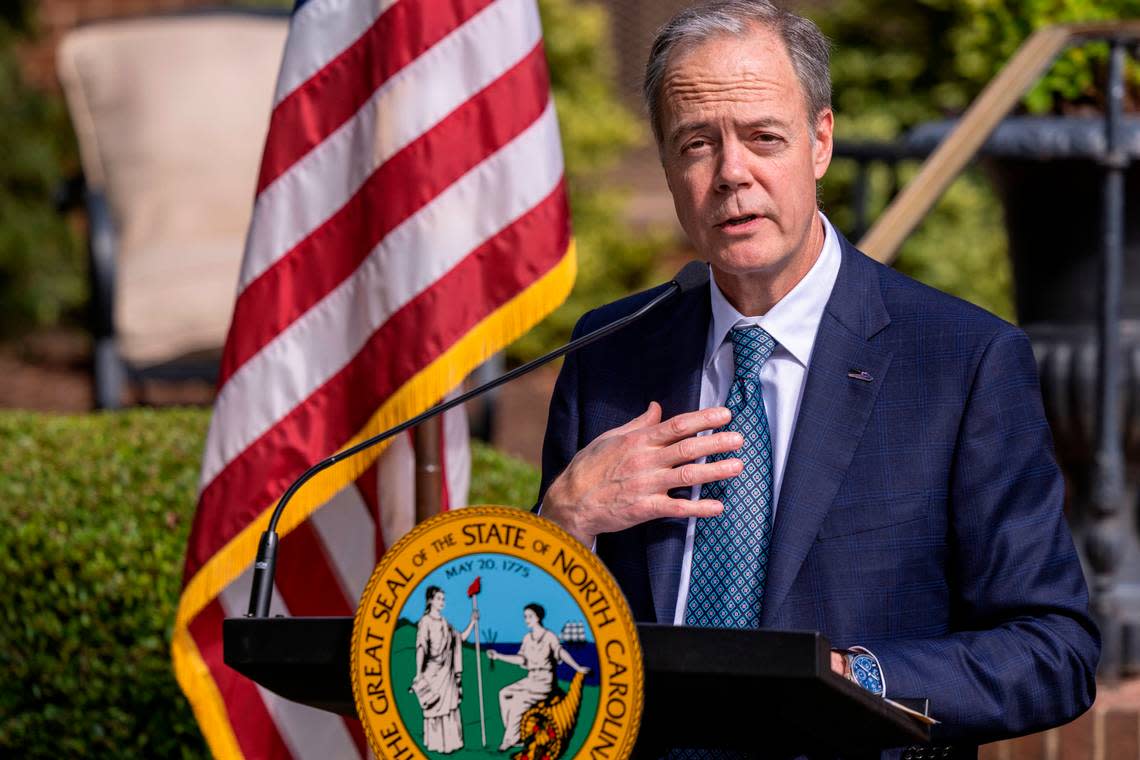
[896,66]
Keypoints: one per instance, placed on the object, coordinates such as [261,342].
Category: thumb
[651,416]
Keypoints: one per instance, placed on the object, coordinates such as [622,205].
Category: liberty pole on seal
[473,592]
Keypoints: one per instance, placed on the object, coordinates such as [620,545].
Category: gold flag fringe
[429,385]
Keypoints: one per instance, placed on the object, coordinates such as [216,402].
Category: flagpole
[479,672]
[429,469]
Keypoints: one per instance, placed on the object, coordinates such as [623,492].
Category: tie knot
[751,347]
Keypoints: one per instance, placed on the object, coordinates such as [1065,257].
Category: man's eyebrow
[686,127]
[763,122]
[767,121]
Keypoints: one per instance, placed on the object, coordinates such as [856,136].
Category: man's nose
[732,172]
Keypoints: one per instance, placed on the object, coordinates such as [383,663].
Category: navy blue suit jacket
[920,514]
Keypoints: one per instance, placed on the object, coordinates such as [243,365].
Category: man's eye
[767,137]
[694,145]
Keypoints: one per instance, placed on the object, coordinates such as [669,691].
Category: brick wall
[1109,731]
[55,17]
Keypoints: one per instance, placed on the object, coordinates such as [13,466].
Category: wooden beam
[1032,60]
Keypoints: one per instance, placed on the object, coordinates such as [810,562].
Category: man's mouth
[736,221]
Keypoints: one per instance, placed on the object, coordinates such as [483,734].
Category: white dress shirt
[793,323]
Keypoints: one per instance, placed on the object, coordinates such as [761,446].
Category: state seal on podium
[490,632]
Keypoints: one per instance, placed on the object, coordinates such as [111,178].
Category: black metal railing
[1105,520]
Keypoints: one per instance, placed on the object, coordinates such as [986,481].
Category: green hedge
[94,514]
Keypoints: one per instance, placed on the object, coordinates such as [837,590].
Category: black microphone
[693,275]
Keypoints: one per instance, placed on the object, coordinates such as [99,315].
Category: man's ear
[822,144]
[664,164]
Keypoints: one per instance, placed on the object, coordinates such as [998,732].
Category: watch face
[866,673]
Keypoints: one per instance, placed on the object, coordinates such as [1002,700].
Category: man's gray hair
[807,47]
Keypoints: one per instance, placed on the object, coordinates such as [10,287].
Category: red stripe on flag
[338,409]
[396,190]
[356,729]
[253,727]
[309,586]
[493,269]
[316,109]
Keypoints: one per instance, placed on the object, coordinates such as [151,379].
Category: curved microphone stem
[264,567]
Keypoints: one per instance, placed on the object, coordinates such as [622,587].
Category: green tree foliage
[94,517]
[41,263]
[16,14]
[893,67]
[896,65]
[987,33]
[597,130]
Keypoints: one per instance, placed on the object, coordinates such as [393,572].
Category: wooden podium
[771,692]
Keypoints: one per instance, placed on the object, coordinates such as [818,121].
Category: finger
[661,481]
[696,447]
[687,425]
[651,416]
[686,508]
[697,474]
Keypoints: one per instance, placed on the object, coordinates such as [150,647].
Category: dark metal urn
[1070,188]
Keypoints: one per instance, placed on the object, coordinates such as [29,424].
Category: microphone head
[693,275]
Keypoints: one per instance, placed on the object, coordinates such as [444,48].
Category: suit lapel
[833,414]
[676,353]
[675,362]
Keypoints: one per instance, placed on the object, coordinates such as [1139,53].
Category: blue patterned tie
[730,552]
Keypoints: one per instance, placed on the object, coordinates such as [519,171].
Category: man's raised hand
[622,478]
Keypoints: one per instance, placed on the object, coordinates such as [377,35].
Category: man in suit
[861,455]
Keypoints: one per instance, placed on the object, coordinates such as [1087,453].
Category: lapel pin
[859,374]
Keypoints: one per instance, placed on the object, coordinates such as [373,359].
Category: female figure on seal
[540,653]
[439,669]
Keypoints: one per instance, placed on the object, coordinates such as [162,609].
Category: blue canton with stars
[730,552]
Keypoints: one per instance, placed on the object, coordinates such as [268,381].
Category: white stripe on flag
[346,528]
[323,340]
[457,456]
[397,489]
[310,734]
[421,95]
[319,31]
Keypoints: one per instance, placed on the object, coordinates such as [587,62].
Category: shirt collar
[794,321]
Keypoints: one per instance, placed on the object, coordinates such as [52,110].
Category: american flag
[410,220]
